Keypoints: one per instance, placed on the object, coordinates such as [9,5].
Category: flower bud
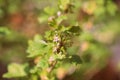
[51,18]
[58,13]
[56,39]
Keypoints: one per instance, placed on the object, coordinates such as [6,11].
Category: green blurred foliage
[75,45]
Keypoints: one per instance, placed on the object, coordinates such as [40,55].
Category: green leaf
[43,64]
[48,35]
[64,4]
[16,70]
[43,18]
[72,50]
[38,39]
[75,30]
[61,18]
[49,10]
[33,70]
[76,59]
[59,56]
[4,31]
[34,77]
[73,59]
[36,47]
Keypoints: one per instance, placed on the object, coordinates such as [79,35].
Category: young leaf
[16,70]
[37,46]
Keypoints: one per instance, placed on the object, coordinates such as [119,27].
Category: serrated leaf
[36,47]
[16,70]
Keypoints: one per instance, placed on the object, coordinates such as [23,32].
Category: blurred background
[20,20]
